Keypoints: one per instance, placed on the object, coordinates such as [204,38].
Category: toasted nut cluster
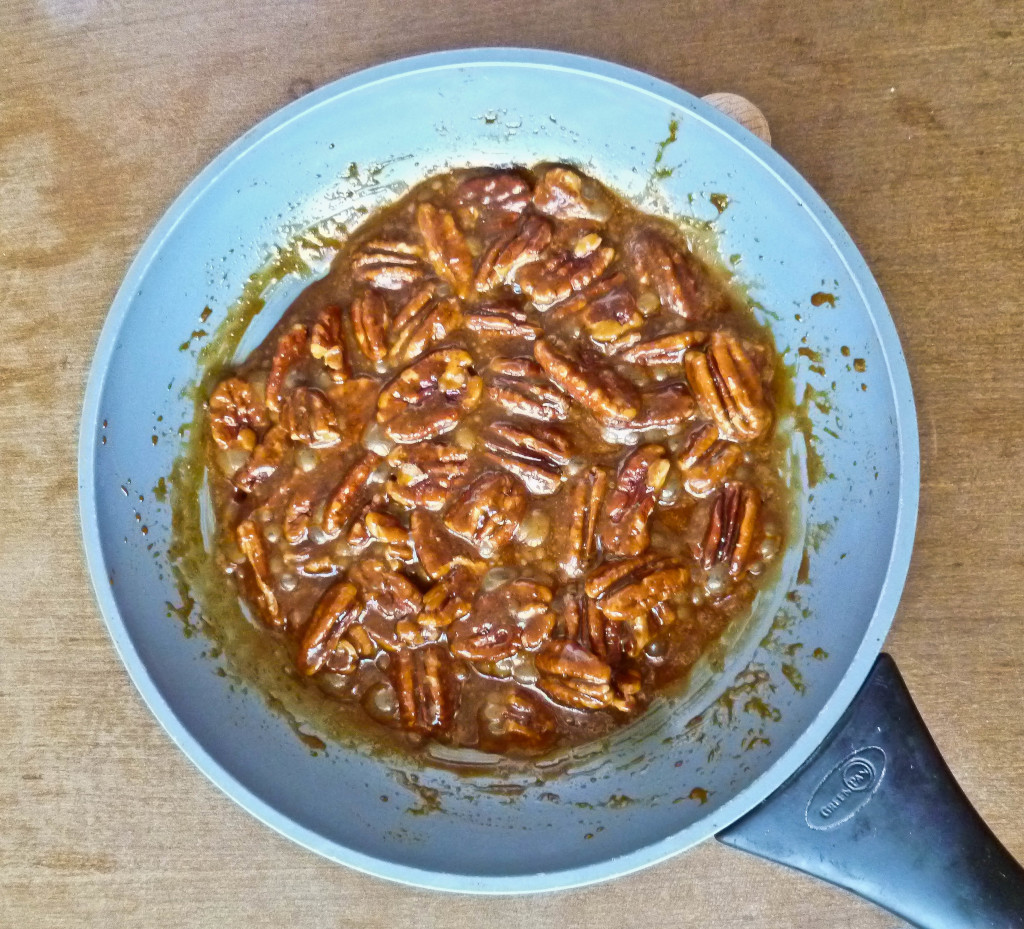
[506,470]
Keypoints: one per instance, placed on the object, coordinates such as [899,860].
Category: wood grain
[904,116]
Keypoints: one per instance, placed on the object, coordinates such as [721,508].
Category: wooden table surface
[906,117]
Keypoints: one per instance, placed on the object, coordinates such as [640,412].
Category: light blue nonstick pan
[801,744]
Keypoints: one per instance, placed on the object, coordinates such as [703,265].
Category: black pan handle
[876,810]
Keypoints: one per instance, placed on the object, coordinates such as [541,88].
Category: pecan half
[666,407]
[389,531]
[503,621]
[520,386]
[487,513]
[644,586]
[728,388]
[503,260]
[732,529]
[424,473]
[451,598]
[447,250]
[389,265]
[555,278]
[534,453]
[437,551]
[429,397]
[298,511]
[516,719]
[336,610]
[491,200]
[237,416]
[608,396]
[706,460]
[670,271]
[631,502]
[254,547]
[499,320]
[585,498]
[263,463]
[390,599]
[432,324]
[353,403]
[291,347]
[425,684]
[587,626]
[309,418]
[575,677]
[668,349]
[340,508]
[612,319]
[327,343]
[560,193]
[370,323]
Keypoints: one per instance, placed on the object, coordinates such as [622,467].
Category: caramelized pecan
[370,323]
[309,418]
[237,416]
[520,386]
[668,349]
[327,343]
[491,200]
[429,397]
[498,320]
[647,583]
[555,278]
[431,324]
[353,403]
[585,498]
[671,272]
[389,531]
[390,598]
[254,547]
[336,610]
[298,512]
[340,508]
[732,529]
[728,388]
[631,502]
[426,687]
[511,252]
[706,460]
[425,473]
[607,395]
[488,512]
[514,616]
[535,453]
[447,250]
[575,677]
[291,347]
[263,463]
[389,265]
[664,408]
[587,626]
[450,598]
[516,719]
[612,320]
[560,193]
[437,550]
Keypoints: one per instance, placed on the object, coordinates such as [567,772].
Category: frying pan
[798,743]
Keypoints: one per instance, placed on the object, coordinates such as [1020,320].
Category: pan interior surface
[671,779]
